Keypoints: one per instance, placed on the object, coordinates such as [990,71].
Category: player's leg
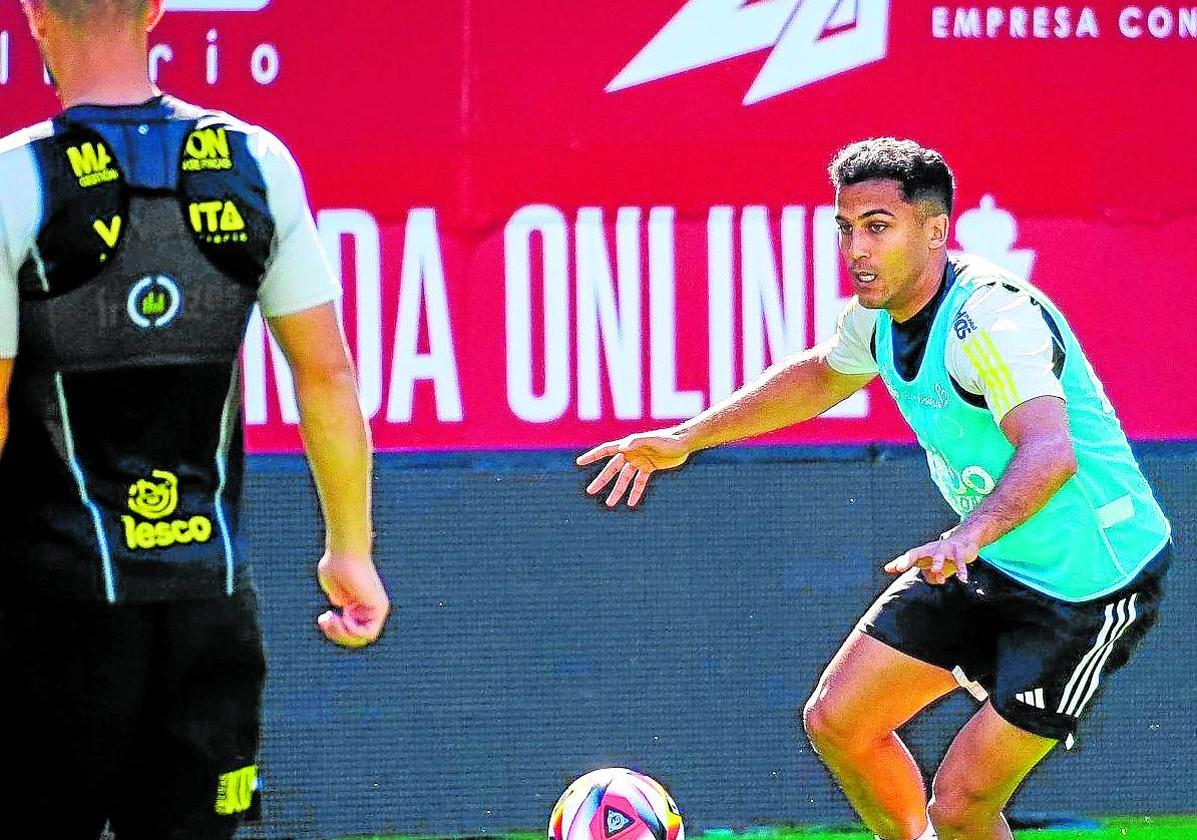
[916,643]
[985,764]
[1052,660]
[75,676]
[199,752]
[866,693]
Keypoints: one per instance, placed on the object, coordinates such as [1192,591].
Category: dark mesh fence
[537,637]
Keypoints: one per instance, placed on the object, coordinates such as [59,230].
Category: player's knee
[960,807]
[951,817]
[814,720]
[828,728]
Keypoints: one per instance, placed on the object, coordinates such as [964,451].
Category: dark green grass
[1113,828]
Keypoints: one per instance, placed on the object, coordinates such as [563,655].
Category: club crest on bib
[153,301]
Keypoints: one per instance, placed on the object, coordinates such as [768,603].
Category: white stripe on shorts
[1101,663]
[1092,654]
[1085,678]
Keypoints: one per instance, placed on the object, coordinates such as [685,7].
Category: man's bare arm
[337,441]
[1043,461]
[334,432]
[795,389]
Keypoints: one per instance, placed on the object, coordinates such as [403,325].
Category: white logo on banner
[216,5]
[811,40]
[990,232]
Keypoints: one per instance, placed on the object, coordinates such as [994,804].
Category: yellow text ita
[217,217]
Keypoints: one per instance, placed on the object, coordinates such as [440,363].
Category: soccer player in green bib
[1053,575]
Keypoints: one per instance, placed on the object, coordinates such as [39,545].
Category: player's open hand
[939,559]
[361,604]
[633,461]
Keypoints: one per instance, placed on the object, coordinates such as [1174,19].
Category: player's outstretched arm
[796,389]
[337,441]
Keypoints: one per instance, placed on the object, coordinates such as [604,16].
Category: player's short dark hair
[79,10]
[922,172]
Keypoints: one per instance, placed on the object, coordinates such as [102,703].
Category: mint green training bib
[1096,533]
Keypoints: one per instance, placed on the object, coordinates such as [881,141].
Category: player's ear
[35,14]
[935,227]
[154,12]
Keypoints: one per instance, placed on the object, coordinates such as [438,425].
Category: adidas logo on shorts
[1034,697]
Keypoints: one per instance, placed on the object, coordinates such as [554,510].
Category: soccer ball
[615,804]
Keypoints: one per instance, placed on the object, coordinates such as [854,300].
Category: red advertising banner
[558,223]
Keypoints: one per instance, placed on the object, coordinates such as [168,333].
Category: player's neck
[122,81]
[922,292]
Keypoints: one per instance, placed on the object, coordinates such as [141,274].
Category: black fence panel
[537,636]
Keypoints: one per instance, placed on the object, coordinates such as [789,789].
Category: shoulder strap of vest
[85,219]
[222,195]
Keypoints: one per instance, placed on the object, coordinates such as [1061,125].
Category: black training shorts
[144,717]
[1039,660]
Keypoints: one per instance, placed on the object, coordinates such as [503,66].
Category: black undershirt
[910,336]
[909,339]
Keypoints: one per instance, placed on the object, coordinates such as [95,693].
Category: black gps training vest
[121,477]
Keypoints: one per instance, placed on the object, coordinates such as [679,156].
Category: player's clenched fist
[633,460]
[361,604]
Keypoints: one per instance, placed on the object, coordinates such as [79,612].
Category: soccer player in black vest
[136,234]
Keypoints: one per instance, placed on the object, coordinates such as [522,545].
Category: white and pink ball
[615,803]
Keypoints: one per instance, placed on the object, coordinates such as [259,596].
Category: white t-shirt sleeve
[298,275]
[849,350]
[20,212]
[9,303]
[1001,348]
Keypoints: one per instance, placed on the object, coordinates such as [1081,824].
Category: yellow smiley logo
[155,499]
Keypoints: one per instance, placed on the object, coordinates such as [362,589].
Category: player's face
[887,243]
